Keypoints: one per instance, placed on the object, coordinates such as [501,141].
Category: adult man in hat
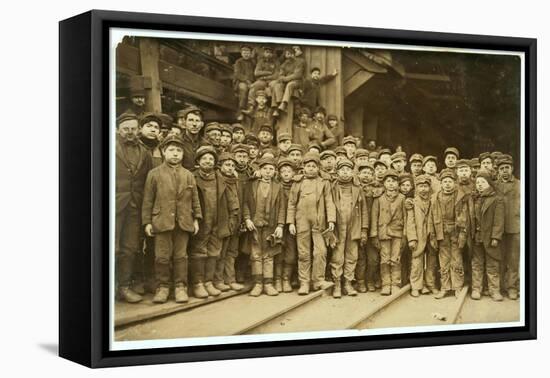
[133,163]
[510,187]
[192,121]
[312,87]
[212,136]
[136,94]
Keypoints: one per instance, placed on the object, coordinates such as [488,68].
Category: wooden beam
[149,56]
[127,59]
[429,77]
[356,81]
[364,62]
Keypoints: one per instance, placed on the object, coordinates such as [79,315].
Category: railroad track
[238,314]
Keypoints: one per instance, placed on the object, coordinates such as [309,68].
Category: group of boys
[204,211]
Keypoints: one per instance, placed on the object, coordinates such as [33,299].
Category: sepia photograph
[270,188]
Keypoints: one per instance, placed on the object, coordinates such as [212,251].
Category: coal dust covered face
[345,173]
[138,100]
[430,167]
[315,75]
[361,160]
[227,167]
[253,152]
[487,164]
[332,123]
[423,189]
[207,162]
[448,185]
[284,145]
[328,163]
[242,158]
[311,169]
[193,123]
[214,137]
[238,136]
[450,160]
[225,139]
[464,173]
[286,173]
[399,165]
[265,136]
[505,172]
[128,130]
[246,53]
[261,100]
[386,158]
[150,130]
[380,170]
[366,175]
[390,183]
[416,168]
[482,184]
[405,187]
[267,171]
[295,156]
[350,149]
[173,154]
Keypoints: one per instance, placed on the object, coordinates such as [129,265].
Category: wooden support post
[354,122]
[149,56]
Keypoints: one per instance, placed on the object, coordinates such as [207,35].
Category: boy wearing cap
[260,115]
[352,223]
[171,212]
[243,75]
[286,260]
[336,129]
[464,176]
[415,163]
[226,137]
[387,226]
[300,129]
[385,156]
[295,154]
[429,166]
[398,162]
[487,163]
[487,233]
[265,136]
[509,187]
[212,135]
[318,130]
[341,153]
[264,215]
[350,144]
[237,133]
[361,157]
[450,156]
[267,70]
[289,78]
[406,187]
[448,232]
[133,163]
[373,157]
[423,280]
[312,87]
[328,165]
[220,209]
[192,120]
[311,212]
[284,140]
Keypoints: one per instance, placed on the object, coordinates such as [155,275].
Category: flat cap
[485,155]
[429,158]
[190,109]
[239,148]
[281,137]
[126,116]
[399,156]
[384,151]
[380,162]
[447,172]
[237,126]
[423,179]
[285,162]
[405,177]
[486,175]
[296,147]
[203,150]
[265,160]
[314,144]
[172,139]
[311,157]
[226,156]
[391,173]
[344,163]
[349,139]
[340,150]
[226,127]
[320,109]
[304,110]
[462,163]
[452,150]
[474,162]
[148,117]
[361,152]
[266,127]
[261,92]
[416,157]
[327,154]
[373,155]
[252,139]
[505,159]
[212,126]
[332,116]
[364,165]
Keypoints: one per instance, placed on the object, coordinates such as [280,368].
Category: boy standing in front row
[171,212]
[311,212]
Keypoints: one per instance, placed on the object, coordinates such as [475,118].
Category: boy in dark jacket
[312,87]
[243,75]
[264,215]
[352,223]
[220,208]
[171,212]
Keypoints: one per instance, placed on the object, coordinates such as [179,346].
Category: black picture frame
[84,183]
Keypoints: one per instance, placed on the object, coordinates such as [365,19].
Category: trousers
[171,249]
[451,266]
[127,243]
[390,262]
[483,265]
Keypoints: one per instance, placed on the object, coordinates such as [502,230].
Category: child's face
[361,160]
[193,123]
[447,184]
[284,145]
[268,54]
[295,156]
[253,152]
[450,160]
[390,183]
[265,136]
[304,118]
[225,139]
[372,160]
[228,167]
[423,189]
[214,137]
[430,167]
[399,165]
[481,184]
[267,171]
[416,168]
[366,175]
[206,162]
[286,173]
[150,130]
[315,75]
[314,149]
[487,164]
[242,158]
[350,149]
[340,157]
[380,170]
[238,136]
[261,100]
[174,131]
[405,187]
[386,158]
[128,130]
[320,117]
[505,171]
[464,172]
[289,54]
[310,168]
[345,173]
[173,154]
[332,123]
[268,155]
[328,163]
[371,145]
[246,53]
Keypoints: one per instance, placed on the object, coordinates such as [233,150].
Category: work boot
[395,289]
[161,296]
[361,287]
[322,285]
[304,288]
[434,291]
[513,294]
[275,113]
[138,287]
[497,297]
[270,290]
[278,286]
[349,289]
[475,294]
[415,293]
[236,286]
[425,290]
[442,293]
[256,290]
[180,292]
[287,287]
[128,295]
[337,289]
[221,286]
[371,287]
[386,290]
[199,291]
[282,107]
[211,290]
[485,292]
